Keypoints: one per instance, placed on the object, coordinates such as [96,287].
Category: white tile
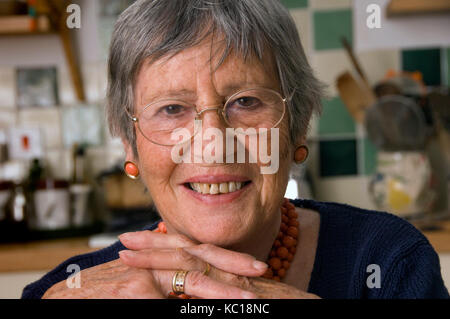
[313,126]
[375,63]
[59,162]
[65,88]
[82,124]
[348,190]
[330,4]
[7,117]
[329,64]
[302,21]
[100,158]
[47,119]
[7,88]
[102,79]
[91,82]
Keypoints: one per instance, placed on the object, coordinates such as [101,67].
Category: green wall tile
[427,61]
[295,3]
[335,118]
[338,158]
[448,66]
[330,26]
[370,157]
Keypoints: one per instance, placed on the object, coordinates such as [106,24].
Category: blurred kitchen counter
[40,255]
[46,255]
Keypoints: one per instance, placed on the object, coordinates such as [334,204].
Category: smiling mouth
[217,188]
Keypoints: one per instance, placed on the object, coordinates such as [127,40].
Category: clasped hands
[146,269]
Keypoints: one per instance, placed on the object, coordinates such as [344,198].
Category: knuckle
[196,279]
[203,248]
[241,281]
[182,241]
[145,233]
[186,258]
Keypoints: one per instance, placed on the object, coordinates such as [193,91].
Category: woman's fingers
[195,258]
[147,239]
[228,260]
[162,251]
[199,285]
[162,259]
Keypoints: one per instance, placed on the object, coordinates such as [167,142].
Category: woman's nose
[211,117]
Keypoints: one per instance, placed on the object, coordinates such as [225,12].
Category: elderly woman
[182,72]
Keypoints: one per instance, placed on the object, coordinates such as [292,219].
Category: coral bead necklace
[283,249]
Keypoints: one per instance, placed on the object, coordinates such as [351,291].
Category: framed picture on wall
[37,87]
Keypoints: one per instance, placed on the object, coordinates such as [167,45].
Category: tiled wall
[341,159]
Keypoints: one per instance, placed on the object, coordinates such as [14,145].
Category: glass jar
[402,183]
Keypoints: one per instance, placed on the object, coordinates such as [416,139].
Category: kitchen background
[61,185]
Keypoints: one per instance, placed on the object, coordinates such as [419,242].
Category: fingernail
[127,253]
[259,265]
[125,236]
[248,295]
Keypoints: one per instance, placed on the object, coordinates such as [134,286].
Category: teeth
[223,188]
[196,186]
[214,189]
[205,188]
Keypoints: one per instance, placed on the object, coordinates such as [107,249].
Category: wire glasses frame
[221,111]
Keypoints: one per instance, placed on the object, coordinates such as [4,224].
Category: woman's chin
[224,236]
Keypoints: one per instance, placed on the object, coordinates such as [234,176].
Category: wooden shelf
[30,33]
[415,7]
[55,11]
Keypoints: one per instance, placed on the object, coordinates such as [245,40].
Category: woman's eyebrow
[234,88]
[145,99]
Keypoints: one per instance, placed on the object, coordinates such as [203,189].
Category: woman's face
[222,219]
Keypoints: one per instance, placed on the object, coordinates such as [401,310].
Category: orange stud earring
[301,154]
[131,170]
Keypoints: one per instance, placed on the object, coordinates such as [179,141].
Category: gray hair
[152,29]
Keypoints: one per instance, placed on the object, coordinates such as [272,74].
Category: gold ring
[178,281]
[208,268]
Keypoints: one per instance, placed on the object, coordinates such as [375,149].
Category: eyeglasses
[251,108]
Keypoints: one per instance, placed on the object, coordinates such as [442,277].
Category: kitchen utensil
[396,123]
[354,61]
[440,105]
[357,96]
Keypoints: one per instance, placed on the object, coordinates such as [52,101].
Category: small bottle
[17,212]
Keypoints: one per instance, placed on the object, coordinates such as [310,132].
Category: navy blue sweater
[351,241]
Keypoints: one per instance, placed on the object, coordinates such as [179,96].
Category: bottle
[78,175]
[17,212]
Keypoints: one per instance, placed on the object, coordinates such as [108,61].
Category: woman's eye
[246,102]
[173,109]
